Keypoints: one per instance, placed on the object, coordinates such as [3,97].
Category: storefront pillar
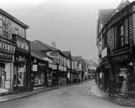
[12,77]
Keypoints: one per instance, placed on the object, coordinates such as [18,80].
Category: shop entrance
[106,77]
[2,75]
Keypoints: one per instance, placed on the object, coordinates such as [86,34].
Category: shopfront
[7,50]
[39,70]
[22,64]
[121,67]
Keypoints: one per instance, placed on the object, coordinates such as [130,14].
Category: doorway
[2,75]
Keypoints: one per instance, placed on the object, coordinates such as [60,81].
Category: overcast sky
[70,23]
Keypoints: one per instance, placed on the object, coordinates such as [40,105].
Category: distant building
[89,69]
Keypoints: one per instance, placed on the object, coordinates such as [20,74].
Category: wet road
[66,97]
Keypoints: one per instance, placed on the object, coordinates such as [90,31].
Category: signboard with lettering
[123,57]
[104,53]
[6,47]
[54,55]
[21,43]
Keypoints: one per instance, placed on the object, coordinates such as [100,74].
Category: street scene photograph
[67,54]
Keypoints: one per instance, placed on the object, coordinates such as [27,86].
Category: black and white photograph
[67,54]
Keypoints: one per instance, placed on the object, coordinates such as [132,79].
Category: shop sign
[6,57]
[120,58]
[54,55]
[34,67]
[7,47]
[41,64]
[52,66]
[21,43]
[104,53]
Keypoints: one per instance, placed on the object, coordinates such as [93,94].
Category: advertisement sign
[54,55]
[7,47]
[104,53]
[21,43]
[34,68]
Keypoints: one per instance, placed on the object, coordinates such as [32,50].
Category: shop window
[5,75]
[20,75]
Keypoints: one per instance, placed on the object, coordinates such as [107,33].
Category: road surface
[66,97]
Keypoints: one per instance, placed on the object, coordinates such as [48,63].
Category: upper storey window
[5,30]
[16,31]
[121,37]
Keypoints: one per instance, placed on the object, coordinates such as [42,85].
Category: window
[121,37]
[1,31]
[5,30]
[16,31]
[104,41]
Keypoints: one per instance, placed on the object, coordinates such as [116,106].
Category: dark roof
[39,54]
[41,46]
[104,15]
[67,53]
[39,49]
[122,4]
[13,18]
[90,62]
[77,58]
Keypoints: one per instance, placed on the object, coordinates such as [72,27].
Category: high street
[76,96]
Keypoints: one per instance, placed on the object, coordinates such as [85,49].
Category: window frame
[120,35]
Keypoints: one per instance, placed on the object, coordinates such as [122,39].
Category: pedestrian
[111,86]
[124,88]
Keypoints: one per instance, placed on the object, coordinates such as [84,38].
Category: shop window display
[5,75]
[39,79]
[20,75]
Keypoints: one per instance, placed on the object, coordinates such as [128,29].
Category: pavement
[119,99]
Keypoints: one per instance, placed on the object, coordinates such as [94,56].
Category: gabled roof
[41,46]
[122,4]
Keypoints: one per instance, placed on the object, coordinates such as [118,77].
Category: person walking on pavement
[124,88]
[111,85]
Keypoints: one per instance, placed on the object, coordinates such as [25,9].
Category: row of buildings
[25,65]
[116,44]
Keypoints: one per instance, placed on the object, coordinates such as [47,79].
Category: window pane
[122,41]
[1,32]
[122,30]
[0,23]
